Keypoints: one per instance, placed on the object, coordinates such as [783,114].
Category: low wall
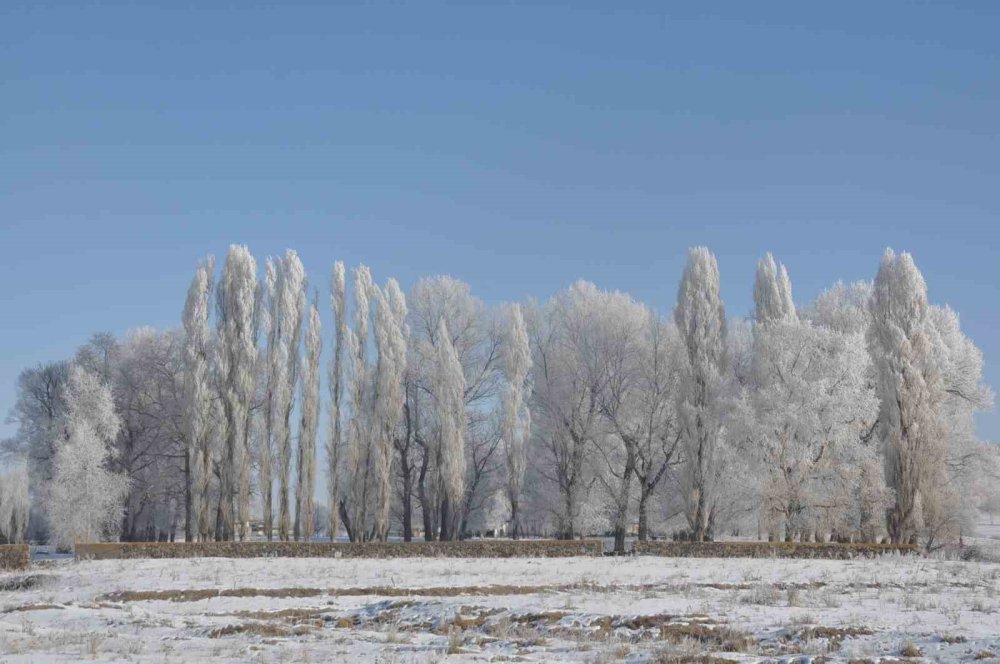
[768,549]
[14,556]
[466,549]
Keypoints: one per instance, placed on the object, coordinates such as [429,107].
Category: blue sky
[515,146]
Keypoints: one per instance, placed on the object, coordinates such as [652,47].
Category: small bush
[455,641]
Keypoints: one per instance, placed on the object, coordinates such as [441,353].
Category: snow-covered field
[578,609]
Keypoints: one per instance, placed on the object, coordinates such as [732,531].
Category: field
[638,609]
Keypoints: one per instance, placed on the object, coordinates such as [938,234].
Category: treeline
[849,418]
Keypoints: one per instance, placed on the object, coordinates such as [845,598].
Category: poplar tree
[701,319]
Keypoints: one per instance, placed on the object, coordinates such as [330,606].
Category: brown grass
[833,635]
[203,594]
[670,658]
[674,629]
[197,595]
[286,615]
[268,630]
[33,607]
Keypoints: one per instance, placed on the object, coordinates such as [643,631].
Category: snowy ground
[579,609]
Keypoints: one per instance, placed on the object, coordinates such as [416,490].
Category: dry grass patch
[834,636]
[668,657]
[204,593]
[698,630]
[23,582]
[199,594]
[267,630]
[33,607]
[719,637]
[543,618]
[294,615]
[952,639]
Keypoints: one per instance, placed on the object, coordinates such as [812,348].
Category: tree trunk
[284,517]
[569,530]
[463,524]
[345,518]
[644,513]
[406,470]
[125,535]
[446,534]
[407,507]
[425,508]
[268,506]
[219,530]
[619,539]
[699,531]
[188,524]
[515,526]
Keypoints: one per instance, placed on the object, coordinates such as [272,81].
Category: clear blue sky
[515,147]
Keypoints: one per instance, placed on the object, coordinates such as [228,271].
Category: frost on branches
[850,417]
[515,413]
[449,388]
[701,318]
[86,499]
[15,505]
[810,403]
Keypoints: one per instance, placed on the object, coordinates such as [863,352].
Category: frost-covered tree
[146,377]
[910,389]
[15,504]
[305,486]
[701,319]
[359,444]
[843,419]
[449,389]
[236,298]
[515,412]
[37,413]
[772,292]
[85,503]
[569,379]
[843,308]
[270,367]
[286,315]
[338,305]
[145,373]
[948,505]
[476,337]
[375,388]
[390,343]
[640,406]
[604,401]
[198,398]
[616,335]
[810,401]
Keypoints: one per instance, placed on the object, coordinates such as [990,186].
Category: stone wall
[466,549]
[14,556]
[768,549]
